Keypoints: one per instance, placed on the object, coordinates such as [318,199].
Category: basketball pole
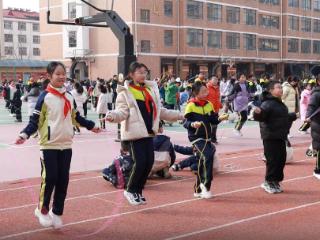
[117,25]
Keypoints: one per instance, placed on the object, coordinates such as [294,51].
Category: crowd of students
[141,106]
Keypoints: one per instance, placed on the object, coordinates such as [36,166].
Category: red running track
[240,209]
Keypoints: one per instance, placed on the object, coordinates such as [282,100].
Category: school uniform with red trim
[54,116]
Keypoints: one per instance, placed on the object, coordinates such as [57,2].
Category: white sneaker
[133,198]
[197,195]
[304,132]
[237,133]
[56,220]
[45,220]
[316,175]
[204,192]
[269,188]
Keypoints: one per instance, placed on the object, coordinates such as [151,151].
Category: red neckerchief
[201,103]
[67,104]
[148,99]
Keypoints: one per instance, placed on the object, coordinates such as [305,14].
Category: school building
[188,36]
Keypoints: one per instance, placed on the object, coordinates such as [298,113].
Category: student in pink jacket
[304,101]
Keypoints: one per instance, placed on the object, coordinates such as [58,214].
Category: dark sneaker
[176,167]
[142,199]
[269,187]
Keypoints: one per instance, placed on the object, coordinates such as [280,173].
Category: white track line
[142,210]
[38,185]
[245,220]
[94,195]
[99,176]
[147,186]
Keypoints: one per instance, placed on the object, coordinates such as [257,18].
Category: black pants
[143,158]
[109,106]
[12,108]
[191,162]
[102,122]
[17,111]
[55,167]
[206,151]
[276,154]
[243,116]
[7,103]
[317,168]
[169,106]
[214,133]
[85,109]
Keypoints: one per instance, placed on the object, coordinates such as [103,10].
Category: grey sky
[29,4]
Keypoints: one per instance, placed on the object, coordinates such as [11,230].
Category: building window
[306,4]
[306,46]
[22,26]
[145,46]
[8,50]
[168,38]
[233,15]
[249,41]
[145,15]
[233,40]
[195,37]
[72,10]
[293,3]
[22,38]
[269,21]
[22,51]
[7,25]
[270,45]
[168,8]
[293,23]
[36,39]
[250,16]
[72,39]
[214,39]
[305,24]
[316,46]
[8,38]
[271,2]
[316,25]
[316,5]
[36,52]
[293,45]
[35,27]
[194,9]
[214,12]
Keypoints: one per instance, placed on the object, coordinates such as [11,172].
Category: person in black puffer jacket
[313,106]
[275,121]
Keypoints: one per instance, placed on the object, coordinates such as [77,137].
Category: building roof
[23,63]
[19,13]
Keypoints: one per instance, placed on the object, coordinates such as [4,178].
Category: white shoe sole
[46,224]
[267,190]
[197,195]
[317,176]
[55,225]
[206,196]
